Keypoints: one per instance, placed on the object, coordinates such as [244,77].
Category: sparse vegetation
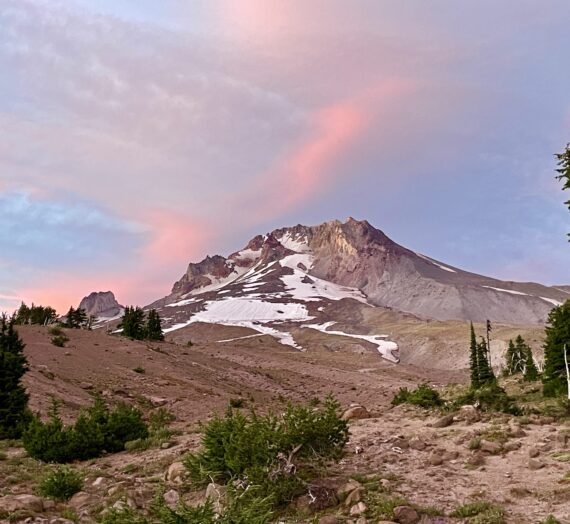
[140,370]
[267,460]
[96,430]
[480,512]
[489,398]
[423,396]
[61,483]
[60,340]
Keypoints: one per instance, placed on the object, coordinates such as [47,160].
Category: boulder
[171,498]
[443,422]
[406,515]
[534,464]
[176,473]
[12,503]
[347,488]
[493,448]
[83,501]
[358,509]
[355,413]
[469,414]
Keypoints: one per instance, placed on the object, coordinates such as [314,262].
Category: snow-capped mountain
[289,279]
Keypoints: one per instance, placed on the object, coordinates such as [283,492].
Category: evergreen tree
[154,326]
[516,356]
[510,359]
[133,323]
[13,397]
[473,361]
[564,169]
[486,375]
[76,318]
[557,335]
[530,370]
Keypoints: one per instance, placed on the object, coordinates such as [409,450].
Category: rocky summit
[101,304]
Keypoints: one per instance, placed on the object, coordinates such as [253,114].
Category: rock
[562,439]
[82,501]
[450,455]
[347,488]
[513,445]
[417,443]
[535,464]
[475,459]
[355,413]
[176,473]
[322,497]
[406,515]
[86,386]
[354,497]
[12,503]
[99,482]
[358,509]
[435,459]
[517,432]
[218,496]
[401,442]
[101,304]
[469,414]
[157,401]
[493,448]
[443,422]
[362,520]
[136,499]
[533,452]
[329,519]
[171,498]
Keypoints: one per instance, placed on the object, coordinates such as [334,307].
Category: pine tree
[486,375]
[510,359]
[564,169]
[133,323]
[13,397]
[473,361]
[530,369]
[154,326]
[516,356]
[557,335]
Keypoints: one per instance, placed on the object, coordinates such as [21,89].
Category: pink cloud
[307,169]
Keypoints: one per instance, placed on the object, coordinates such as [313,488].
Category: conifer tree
[133,323]
[13,365]
[154,326]
[564,169]
[530,370]
[486,375]
[473,361]
[557,335]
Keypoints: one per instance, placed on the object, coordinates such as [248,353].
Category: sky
[137,136]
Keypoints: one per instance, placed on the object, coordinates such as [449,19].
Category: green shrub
[256,449]
[96,430]
[481,512]
[61,483]
[423,396]
[125,515]
[56,331]
[488,398]
[60,340]
[236,403]
[550,519]
[140,370]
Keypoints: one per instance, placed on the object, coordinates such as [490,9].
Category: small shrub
[61,483]
[481,512]
[489,398]
[475,443]
[56,331]
[96,430]
[124,515]
[423,396]
[550,519]
[140,370]
[257,448]
[59,340]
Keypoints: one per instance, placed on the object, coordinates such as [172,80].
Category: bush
[489,398]
[59,340]
[61,483]
[56,331]
[423,396]
[95,431]
[481,512]
[257,451]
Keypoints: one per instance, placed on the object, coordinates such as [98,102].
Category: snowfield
[385,347]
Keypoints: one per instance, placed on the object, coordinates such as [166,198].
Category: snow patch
[552,301]
[385,347]
[508,291]
[297,244]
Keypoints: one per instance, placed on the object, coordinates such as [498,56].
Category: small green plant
[480,512]
[236,403]
[423,396]
[550,519]
[140,370]
[56,331]
[61,483]
[60,340]
[124,515]
[489,398]
[475,443]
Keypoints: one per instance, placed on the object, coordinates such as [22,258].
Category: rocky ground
[402,464]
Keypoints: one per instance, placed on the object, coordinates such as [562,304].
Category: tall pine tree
[530,369]
[473,361]
[557,335]
[13,397]
[133,323]
[486,375]
[154,326]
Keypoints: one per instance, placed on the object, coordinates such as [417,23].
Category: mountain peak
[101,304]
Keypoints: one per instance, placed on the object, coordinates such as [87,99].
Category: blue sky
[139,136]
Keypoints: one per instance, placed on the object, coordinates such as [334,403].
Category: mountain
[328,277]
[101,304]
